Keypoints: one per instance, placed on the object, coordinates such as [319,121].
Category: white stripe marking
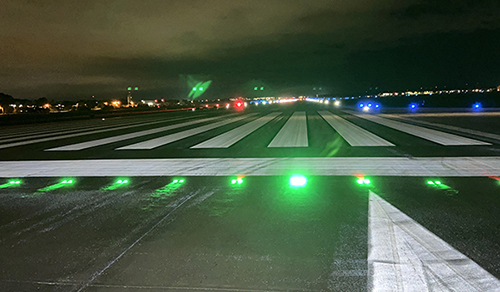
[405,256]
[38,132]
[293,133]
[325,166]
[354,135]
[99,142]
[424,133]
[448,127]
[154,143]
[80,134]
[228,139]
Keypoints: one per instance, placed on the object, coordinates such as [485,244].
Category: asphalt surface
[210,234]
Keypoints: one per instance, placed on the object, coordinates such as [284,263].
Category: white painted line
[22,143]
[354,135]
[59,129]
[405,256]
[424,133]
[293,133]
[99,142]
[228,139]
[27,136]
[464,114]
[325,166]
[154,143]
[448,127]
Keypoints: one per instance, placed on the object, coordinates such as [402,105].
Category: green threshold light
[11,183]
[298,181]
[237,181]
[178,181]
[363,181]
[122,181]
[438,184]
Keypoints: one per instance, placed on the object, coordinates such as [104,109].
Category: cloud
[50,46]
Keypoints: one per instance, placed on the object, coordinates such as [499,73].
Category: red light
[238,104]
[156,100]
[162,100]
[206,105]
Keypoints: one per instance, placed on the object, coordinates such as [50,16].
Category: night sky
[73,49]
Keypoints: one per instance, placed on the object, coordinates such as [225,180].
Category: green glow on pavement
[298,181]
[118,183]
[438,184]
[159,198]
[64,183]
[11,183]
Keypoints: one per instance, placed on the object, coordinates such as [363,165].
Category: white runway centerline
[99,142]
[424,133]
[154,143]
[324,166]
[405,256]
[354,135]
[293,133]
[228,139]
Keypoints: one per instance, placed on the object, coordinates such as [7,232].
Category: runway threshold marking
[439,137]
[99,142]
[324,166]
[58,130]
[448,127]
[157,142]
[405,256]
[40,140]
[293,133]
[228,139]
[354,135]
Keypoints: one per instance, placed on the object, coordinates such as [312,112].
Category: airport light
[413,106]
[363,181]
[11,183]
[237,181]
[298,181]
[477,105]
